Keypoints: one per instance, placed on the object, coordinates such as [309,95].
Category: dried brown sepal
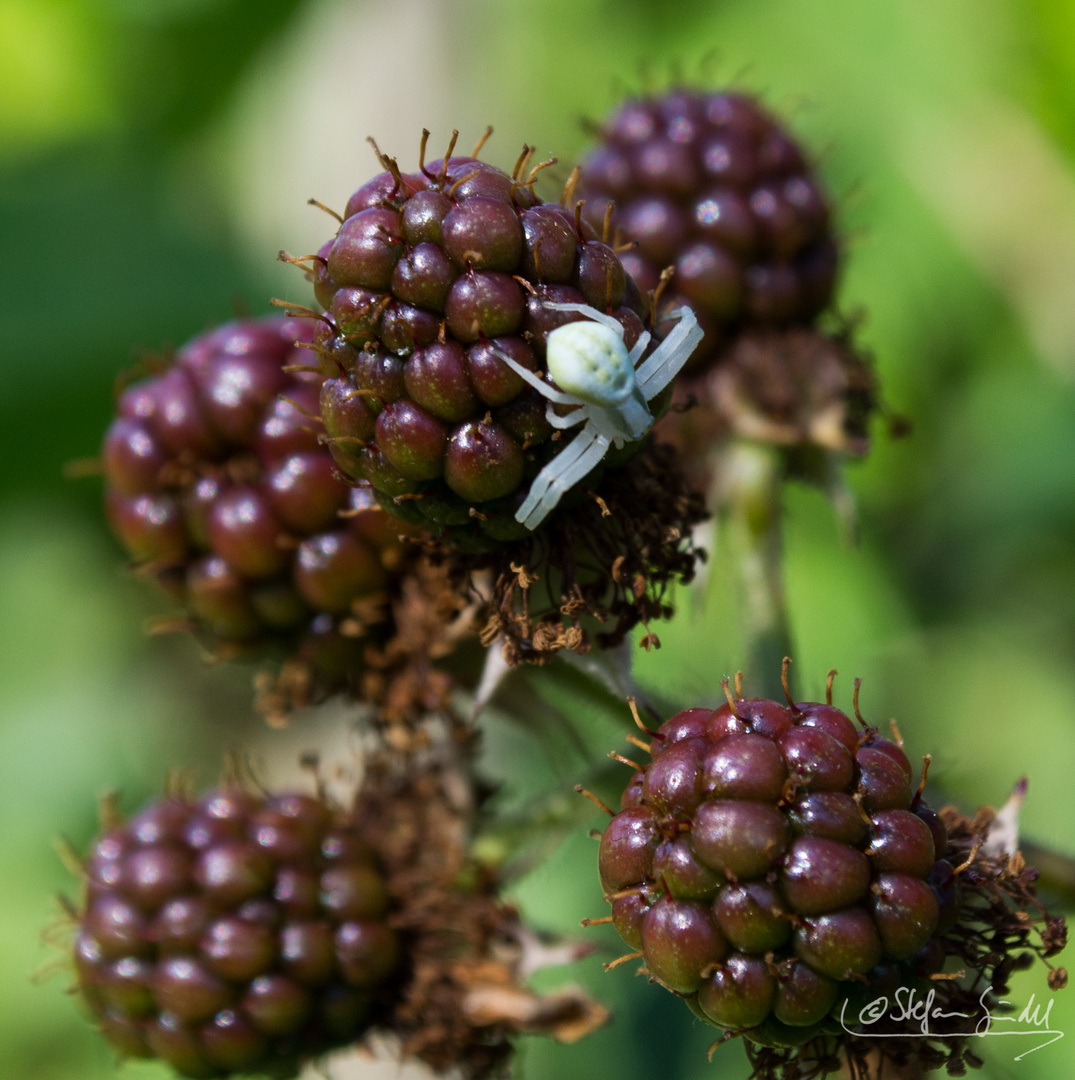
[421,621]
[798,388]
[1002,926]
[589,577]
[462,1000]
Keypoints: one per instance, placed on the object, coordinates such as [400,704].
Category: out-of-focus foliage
[110,245]
[947,132]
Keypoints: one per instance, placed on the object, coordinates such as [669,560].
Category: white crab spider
[590,361]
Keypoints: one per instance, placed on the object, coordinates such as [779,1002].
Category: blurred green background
[156,154]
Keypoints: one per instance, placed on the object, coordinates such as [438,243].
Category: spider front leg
[676,349]
[590,313]
[560,475]
[640,347]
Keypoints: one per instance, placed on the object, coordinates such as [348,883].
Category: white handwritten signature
[905,1005]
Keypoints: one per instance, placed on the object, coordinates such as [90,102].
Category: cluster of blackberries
[234,934]
[767,863]
[769,858]
[713,186]
[219,487]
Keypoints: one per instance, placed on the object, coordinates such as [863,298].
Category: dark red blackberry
[711,185]
[469,327]
[439,290]
[234,934]
[774,865]
[243,933]
[219,487]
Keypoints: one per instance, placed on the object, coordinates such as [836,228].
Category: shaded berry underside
[603,569]
[811,393]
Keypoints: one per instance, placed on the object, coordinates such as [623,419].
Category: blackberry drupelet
[234,933]
[711,185]
[779,869]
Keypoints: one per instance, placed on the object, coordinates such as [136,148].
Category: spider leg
[539,385]
[560,475]
[592,313]
[665,364]
[640,347]
[568,421]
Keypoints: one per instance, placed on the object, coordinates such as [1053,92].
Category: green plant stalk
[747,498]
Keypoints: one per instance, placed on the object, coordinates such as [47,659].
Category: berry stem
[749,508]
[1056,870]
[515,843]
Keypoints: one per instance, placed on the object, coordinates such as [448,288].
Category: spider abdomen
[590,361]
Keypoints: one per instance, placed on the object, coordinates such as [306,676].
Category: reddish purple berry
[766,861]
[710,185]
[430,277]
[230,932]
[218,480]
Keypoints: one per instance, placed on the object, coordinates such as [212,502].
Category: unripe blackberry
[712,186]
[774,857]
[234,934]
[777,868]
[219,486]
[251,933]
[495,381]
[432,279]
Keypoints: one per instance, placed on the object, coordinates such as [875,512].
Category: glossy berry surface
[218,485]
[430,278]
[768,860]
[712,186]
[233,934]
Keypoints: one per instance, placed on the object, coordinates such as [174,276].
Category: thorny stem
[749,508]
